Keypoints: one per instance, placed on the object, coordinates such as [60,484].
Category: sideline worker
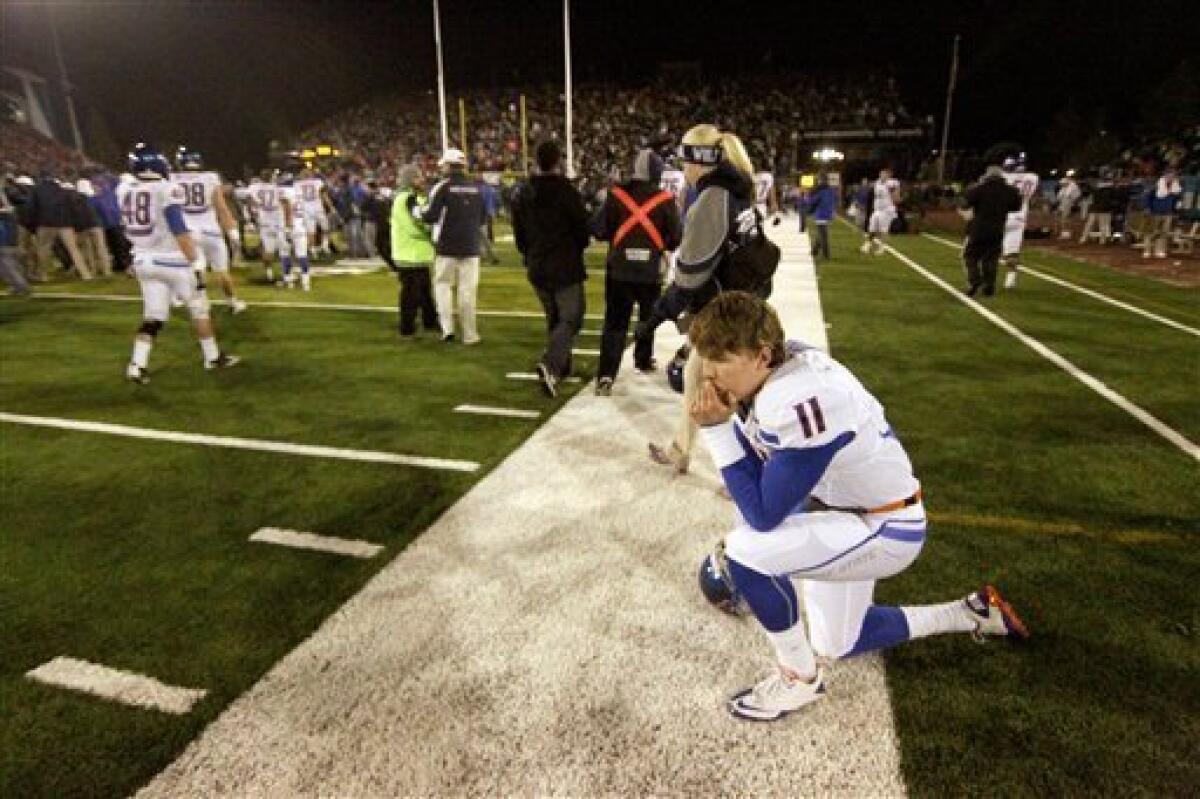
[641,223]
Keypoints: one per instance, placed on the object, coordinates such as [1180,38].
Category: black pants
[383,244]
[821,244]
[120,248]
[619,299]
[564,309]
[980,256]
[416,294]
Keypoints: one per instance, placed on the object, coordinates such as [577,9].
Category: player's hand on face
[711,405]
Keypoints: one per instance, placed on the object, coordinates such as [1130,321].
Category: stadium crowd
[611,122]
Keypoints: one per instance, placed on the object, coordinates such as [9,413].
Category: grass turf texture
[134,554]
[1093,531]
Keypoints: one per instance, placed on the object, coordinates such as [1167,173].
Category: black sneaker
[604,387]
[973,289]
[549,381]
[447,337]
[223,361]
[646,368]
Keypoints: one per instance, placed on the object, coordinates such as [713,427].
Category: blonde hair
[731,146]
[736,322]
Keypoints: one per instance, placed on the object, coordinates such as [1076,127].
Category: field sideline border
[317,306]
[1083,290]
[1184,444]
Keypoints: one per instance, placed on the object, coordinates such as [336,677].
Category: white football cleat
[237,306]
[1010,280]
[776,697]
[993,616]
[136,374]
[865,249]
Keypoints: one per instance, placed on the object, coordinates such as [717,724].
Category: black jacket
[550,227]
[636,258]
[83,216]
[49,205]
[457,214]
[992,200]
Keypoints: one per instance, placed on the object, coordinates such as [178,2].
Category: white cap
[453,156]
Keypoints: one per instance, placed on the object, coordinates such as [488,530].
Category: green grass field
[134,553]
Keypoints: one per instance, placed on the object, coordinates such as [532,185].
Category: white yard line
[586,353]
[544,628]
[1085,291]
[488,410]
[352,547]
[1179,440]
[116,685]
[316,306]
[532,377]
[259,445]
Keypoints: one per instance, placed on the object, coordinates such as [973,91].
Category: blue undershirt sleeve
[766,493]
[174,215]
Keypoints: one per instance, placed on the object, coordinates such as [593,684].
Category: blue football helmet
[1014,163]
[189,160]
[716,584]
[286,178]
[146,160]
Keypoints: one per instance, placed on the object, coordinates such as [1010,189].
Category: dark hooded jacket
[550,227]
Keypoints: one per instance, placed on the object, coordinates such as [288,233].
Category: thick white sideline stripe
[115,685]
[531,376]
[1188,447]
[322,543]
[310,450]
[488,410]
[320,306]
[1082,290]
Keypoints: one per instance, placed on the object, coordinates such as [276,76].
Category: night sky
[227,77]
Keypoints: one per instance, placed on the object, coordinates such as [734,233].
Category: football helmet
[188,160]
[145,160]
[716,584]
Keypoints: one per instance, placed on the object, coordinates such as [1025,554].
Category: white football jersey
[143,214]
[198,190]
[672,181]
[265,198]
[763,183]
[1027,184]
[812,400]
[291,194]
[883,195]
[309,191]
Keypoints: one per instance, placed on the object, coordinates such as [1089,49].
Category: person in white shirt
[885,197]
[208,218]
[826,494]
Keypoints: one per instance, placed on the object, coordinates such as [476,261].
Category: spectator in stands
[412,254]
[352,198]
[455,209]
[370,218]
[50,215]
[1161,200]
[821,204]
[550,226]
[641,223]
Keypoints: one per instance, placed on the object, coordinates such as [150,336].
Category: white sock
[141,353]
[794,651]
[208,346]
[948,617]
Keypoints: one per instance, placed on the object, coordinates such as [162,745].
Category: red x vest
[640,215]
